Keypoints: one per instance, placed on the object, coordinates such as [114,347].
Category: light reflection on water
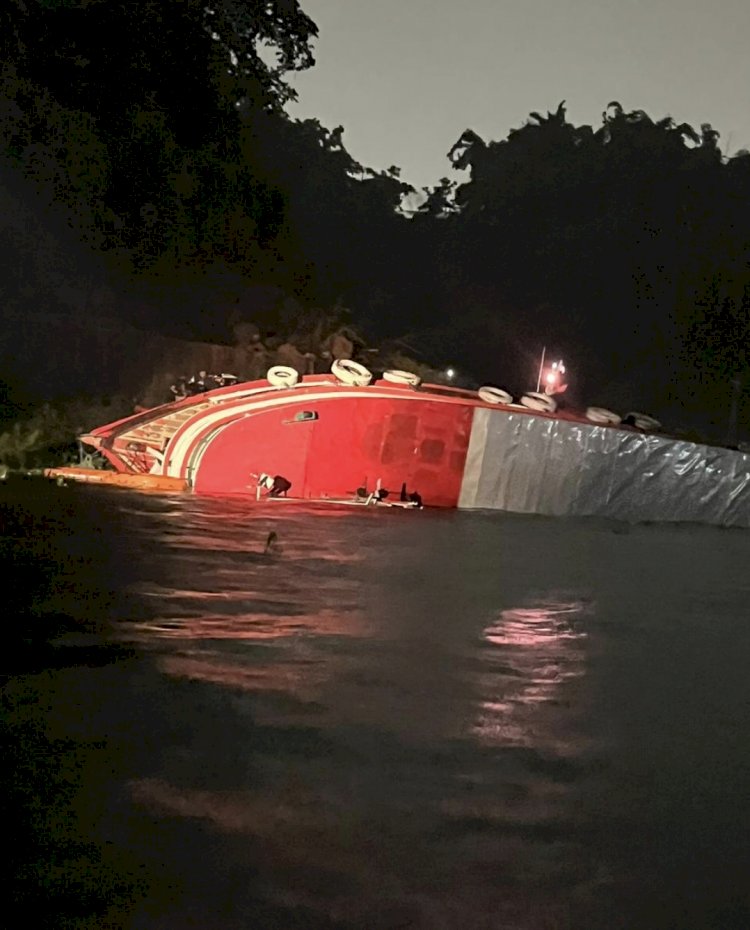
[403,654]
[400,721]
[531,654]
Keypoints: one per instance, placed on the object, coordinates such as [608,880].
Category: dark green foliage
[159,128]
[134,115]
[627,247]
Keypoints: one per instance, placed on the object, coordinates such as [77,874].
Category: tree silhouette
[159,128]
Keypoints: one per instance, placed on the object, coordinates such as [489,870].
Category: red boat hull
[351,443]
[451,448]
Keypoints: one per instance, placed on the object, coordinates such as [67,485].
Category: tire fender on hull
[282,376]
[397,376]
[643,421]
[602,415]
[349,372]
[494,395]
[534,400]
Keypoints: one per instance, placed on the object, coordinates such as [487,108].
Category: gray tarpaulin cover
[533,464]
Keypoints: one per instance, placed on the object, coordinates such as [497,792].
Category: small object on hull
[641,421]
[352,373]
[397,376]
[494,395]
[282,376]
[602,415]
[276,485]
[535,400]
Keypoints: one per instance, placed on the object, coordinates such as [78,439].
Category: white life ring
[282,376]
[397,376]
[535,400]
[643,421]
[493,395]
[602,415]
[349,372]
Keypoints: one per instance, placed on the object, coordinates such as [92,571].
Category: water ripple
[400,721]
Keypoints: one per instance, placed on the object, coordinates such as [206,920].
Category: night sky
[406,77]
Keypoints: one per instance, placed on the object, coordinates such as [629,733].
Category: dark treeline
[157,131]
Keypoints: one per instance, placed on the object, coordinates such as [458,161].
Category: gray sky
[406,77]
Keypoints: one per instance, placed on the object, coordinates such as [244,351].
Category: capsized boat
[344,437]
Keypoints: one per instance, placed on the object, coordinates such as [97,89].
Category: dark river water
[400,720]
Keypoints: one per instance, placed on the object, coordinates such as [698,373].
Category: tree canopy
[159,131]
